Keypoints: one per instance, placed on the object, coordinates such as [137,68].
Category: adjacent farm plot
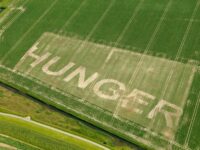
[40,136]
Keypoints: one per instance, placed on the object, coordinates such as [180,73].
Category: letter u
[46,67]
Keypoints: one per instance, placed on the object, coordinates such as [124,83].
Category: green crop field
[130,67]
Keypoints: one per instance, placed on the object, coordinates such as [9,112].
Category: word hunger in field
[115,85]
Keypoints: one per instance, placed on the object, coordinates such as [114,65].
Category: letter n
[82,82]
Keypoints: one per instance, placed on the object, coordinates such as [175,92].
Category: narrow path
[23,142]
[6,146]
